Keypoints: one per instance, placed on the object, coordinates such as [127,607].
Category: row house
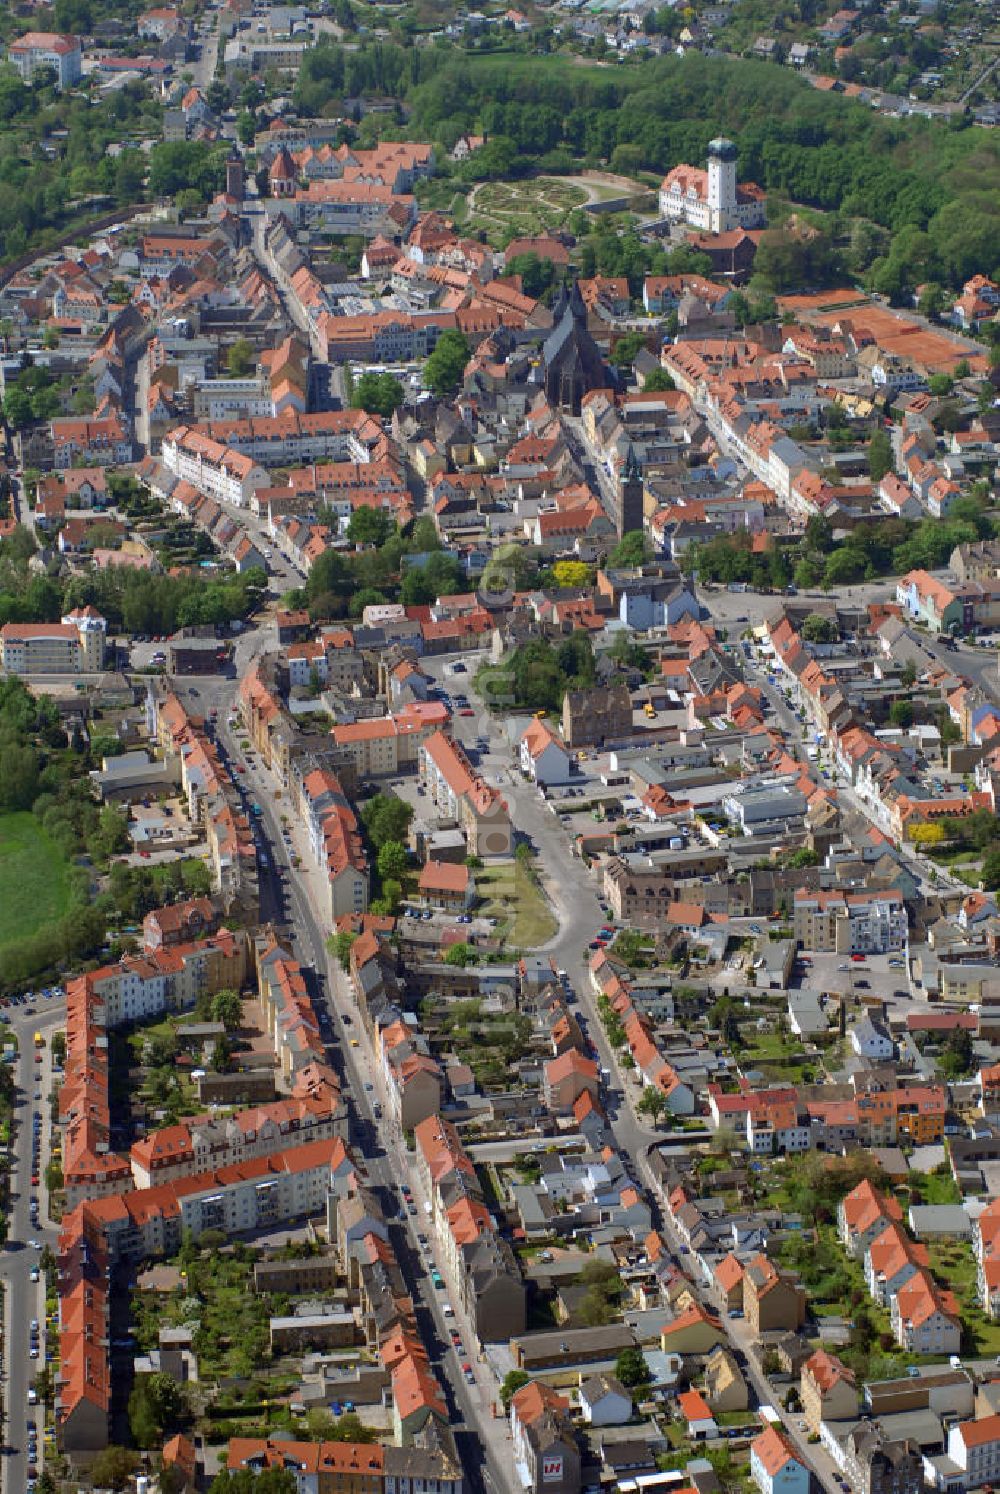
[288,1011]
[261,1193]
[90,442]
[387,745]
[925,1318]
[986,1247]
[412,1077]
[350,1467]
[828,1390]
[863,1215]
[480,1261]
[207,1142]
[212,800]
[137,989]
[335,842]
[215,470]
[402,337]
[346,207]
[545,1447]
[890,1261]
[974,1448]
[97,1235]
[773,1300]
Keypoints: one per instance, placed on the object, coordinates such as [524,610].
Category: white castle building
[712,200]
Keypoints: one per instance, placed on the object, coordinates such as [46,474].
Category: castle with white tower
[712,200]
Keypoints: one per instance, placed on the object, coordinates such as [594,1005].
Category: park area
[34,878]
[510,894]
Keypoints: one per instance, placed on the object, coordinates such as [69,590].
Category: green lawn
[34,877]
[954,1266]
[509,894]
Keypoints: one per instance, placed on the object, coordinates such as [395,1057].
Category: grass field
[511,896]
[34,877]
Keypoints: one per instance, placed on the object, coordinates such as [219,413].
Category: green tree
[392,860]
[378,393]
[653,1102]
[657,381]
[241,358]
[879,455]
[632,549]
[369,525]
[990,874]
[445,366]
[227,1008]
[113,1468]
[843,567]
[247,1481]
[386,817]
[901,713]
[461,954]
[819,629]
[631,1368]
[625,349]
[340,945]
[511,1384]
[350,1428]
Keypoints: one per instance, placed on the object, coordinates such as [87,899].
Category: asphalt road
[24,1299]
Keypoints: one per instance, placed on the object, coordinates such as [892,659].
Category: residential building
[775,1466]
[771,1299]
[828,1390]
[850,922]
[544,757]
[447,885]
[604,1401]
[974,1447]
[73,646]
[36,50]
[876,1464]
[597,716]
[461,794]
[546,1454]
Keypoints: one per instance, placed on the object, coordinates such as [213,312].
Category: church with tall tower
[712,200]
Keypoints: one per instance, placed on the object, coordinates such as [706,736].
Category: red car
[468,711]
